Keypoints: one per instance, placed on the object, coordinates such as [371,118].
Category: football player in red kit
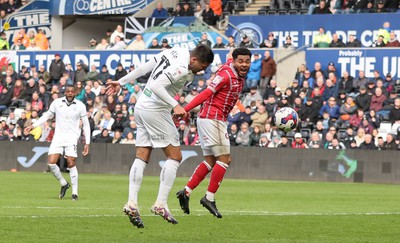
[217,101]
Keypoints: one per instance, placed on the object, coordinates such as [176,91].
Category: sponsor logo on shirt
[216,81]
[147,92]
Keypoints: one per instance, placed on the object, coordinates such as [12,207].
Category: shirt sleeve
[49,114]
[137,73]
[85,123]
[218,82]
[169,76]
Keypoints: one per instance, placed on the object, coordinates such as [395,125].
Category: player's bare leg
[167,178]
[217,175]
[197,177]
[131,208]
[55,170]
[73,174]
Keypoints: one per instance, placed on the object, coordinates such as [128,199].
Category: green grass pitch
[253,211]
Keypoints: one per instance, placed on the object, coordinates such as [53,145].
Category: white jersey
[68,116]
[168,70]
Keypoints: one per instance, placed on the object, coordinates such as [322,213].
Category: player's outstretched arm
[113,87]
[199,99]
[45,117]
[137,73]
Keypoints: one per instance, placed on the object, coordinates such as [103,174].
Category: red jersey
[226,87]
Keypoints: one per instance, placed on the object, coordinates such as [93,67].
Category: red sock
[198,175]
[217,176]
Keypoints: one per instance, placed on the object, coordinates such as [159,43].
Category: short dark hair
[203,53]
[69,86]
[241,51]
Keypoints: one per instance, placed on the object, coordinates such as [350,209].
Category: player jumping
[155,126]
[218,100]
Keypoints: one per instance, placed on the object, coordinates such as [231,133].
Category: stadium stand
[18,101]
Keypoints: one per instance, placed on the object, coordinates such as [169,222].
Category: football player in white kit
[155,126]
[68,112]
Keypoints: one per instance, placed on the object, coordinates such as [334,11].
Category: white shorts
[70,150]
[155,129]
[213,135]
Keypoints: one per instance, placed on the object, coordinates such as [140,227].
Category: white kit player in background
[68,112]
[155,126]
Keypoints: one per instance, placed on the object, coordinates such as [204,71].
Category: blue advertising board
[384,60]
[96,7]
[97,58]
[183,40]
[179,31]
[351,60]
[302,27]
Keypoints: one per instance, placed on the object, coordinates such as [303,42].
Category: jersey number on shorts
[164,63]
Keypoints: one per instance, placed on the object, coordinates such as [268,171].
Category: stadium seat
[170,11]
[282,12]
[292,5]
[342,134]
[303,11]
[192,4]
[305,133]
[298,3]
[262,12]
[225,14]
[272,12]
[280,132]
[385,117]
[304,4]
[231,5]
[7,111]
[241,6]
[293,12]
[385,127]
[344,125]
[18,112]
[288,4]
[290,134]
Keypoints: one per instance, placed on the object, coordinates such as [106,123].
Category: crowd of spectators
[335,6]
[31,41]
[386,38]
[352,6]
[336,112]
[10,6]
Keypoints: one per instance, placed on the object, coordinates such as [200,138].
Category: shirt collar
[69,103]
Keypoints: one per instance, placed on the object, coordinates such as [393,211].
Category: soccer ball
[286,119]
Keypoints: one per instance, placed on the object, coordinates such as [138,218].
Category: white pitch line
[198,213]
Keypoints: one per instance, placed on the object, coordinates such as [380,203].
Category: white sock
[167,178]
[135,180]
[188,191]
[73,173]
[57,174]
[210,196]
